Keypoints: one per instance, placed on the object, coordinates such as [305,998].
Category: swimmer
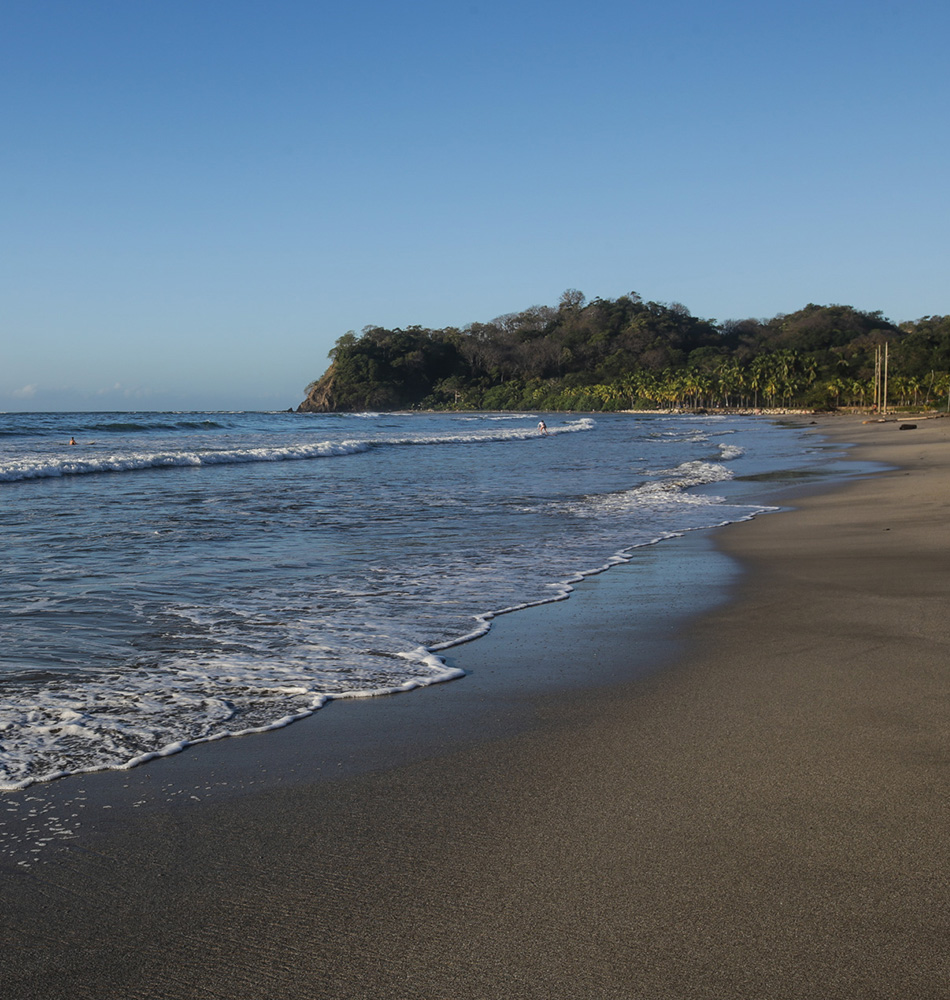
[72,440]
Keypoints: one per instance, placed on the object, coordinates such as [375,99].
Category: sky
[198,198]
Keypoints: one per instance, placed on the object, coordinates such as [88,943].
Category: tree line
[629,354]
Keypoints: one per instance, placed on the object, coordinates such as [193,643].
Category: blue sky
[199,197]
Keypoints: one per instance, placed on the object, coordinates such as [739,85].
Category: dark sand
[604,808]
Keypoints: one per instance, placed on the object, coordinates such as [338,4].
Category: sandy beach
[754,806]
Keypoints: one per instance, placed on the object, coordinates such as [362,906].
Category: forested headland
[629,354]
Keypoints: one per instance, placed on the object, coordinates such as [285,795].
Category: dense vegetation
[628,354]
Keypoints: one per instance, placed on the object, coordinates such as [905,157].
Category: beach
[752,806]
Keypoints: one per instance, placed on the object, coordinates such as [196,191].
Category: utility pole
[877,378]
[884,401]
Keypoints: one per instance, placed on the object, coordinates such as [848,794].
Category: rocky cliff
[320,394]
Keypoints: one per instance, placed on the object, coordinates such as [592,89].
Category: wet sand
[606,807]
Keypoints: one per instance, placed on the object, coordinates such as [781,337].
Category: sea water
[179,577]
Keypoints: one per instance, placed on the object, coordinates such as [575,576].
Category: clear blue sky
[199,197]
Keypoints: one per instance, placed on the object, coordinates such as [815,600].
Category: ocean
[180,577]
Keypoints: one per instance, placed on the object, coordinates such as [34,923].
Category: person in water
[542,428]
[72,440]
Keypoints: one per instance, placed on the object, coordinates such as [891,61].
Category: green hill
[626,353]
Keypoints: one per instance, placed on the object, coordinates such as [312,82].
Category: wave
[672,489]
[481,418]
[42,468]
[83,424]
[133,427]
[689,474]
[69,464]
[201,703]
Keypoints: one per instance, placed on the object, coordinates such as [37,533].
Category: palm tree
[608,394]
[941,387]
[731,380]
[834,387]
[758,373]
[857,388]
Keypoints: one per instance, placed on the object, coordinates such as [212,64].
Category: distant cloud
[126,392]
[27,392]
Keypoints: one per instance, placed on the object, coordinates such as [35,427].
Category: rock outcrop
[320,394]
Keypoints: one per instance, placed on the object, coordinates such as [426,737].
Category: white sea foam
[694,473]
[67,464]
[81,728]
[665,489]
[495,417]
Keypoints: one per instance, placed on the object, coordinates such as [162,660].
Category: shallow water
[181,577]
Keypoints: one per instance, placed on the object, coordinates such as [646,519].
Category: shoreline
[759,813]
